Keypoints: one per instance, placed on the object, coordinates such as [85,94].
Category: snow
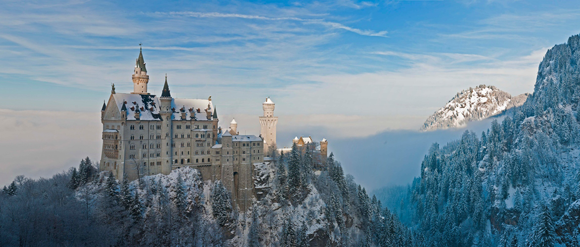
[151,109]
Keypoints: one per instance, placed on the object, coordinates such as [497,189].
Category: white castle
[144,135]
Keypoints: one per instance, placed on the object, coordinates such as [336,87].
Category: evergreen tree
[302,236]
[12,188]
[126,192]
[74,179]
[281,178]
[136,207]
[544,232]
[221,204]
[179,196]
[255,231]
[294,175]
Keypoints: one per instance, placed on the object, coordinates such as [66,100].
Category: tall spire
[104,106]
[140,61]
[165,92]
[215,112]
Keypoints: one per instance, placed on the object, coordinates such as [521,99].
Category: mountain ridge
[472,104]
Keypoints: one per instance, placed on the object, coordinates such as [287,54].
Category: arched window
[202,160]
[196,160]
[182,161]
[208,160]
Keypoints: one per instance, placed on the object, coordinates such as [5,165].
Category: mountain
[516,184]
[472,104]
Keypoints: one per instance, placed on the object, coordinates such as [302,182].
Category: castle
[144,135]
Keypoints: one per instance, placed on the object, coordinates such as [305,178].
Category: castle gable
[112,112]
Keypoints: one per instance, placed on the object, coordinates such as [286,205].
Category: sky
[348,69]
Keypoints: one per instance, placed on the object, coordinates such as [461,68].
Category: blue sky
[336,69]
[405,58]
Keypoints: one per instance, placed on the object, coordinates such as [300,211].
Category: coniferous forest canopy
[516,184]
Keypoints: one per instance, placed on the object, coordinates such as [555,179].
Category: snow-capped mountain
[472,104]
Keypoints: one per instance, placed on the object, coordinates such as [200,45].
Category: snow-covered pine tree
[255,231]
[12,188]
[221,204]
[74,179]
[294,175]
[544,232]
[302,236]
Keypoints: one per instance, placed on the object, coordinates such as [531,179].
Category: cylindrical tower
[268,125]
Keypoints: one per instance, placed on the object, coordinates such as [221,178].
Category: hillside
[299,208]
[472,104]
[516,184]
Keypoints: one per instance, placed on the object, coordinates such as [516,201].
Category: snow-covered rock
[472,104]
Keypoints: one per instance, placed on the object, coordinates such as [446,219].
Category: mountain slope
[516,184]
[471,105]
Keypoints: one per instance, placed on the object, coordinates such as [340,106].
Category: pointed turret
[215,112]
[140,77]
[140,63]
[104,106]
[124,108]
[165,92]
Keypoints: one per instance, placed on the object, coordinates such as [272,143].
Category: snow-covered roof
[323,139]
[227,133]
[234,121]
[149,107]
[217,146]
[268,101]
[110,131]
[246,138]
[306,140]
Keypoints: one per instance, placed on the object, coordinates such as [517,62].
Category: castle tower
[166,113]
[140,77]
[268,125]
[234,127]
[323,150]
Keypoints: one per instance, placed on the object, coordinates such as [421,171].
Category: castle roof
[246,138]
[234,121]
[149,106]
[104,106]
[165,92]
[268,101]
[140,63]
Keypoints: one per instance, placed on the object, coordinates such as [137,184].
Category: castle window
[227,160]
[144,155]
[243,152]
[176,161]
[175,152]
[188,126]
[140,127]
[181,152]
[228,152]
[182,135]
[132,137]
[258,144]
[151,155]
[132,147]
[158,154]
[254,144]
[208,144]
[188,136]
[178,127]
[152,163]
[151,127]
[202,160]
[141,137]
[217,152]
[182,161]
[208,135]
[187,160]
[208,160]
[158,163]
[158,127]
[188,144]
[205,126]
[176,135]
[151,146]
[158,137]
[144,146]
[196,135]
[196,160]
[151,137]
[196,126]
[182,144]
[196,152]
[132,127]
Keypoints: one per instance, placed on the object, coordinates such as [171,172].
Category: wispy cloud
[333,25]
